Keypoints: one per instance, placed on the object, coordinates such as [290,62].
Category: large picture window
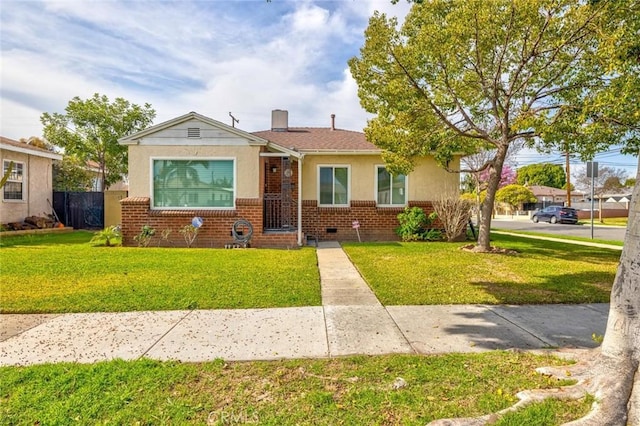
[391,190]
[194,183]
[14,187]
[334,185]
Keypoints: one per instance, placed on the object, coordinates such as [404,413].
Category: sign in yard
[356,225]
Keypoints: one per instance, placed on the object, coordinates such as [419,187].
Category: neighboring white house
[30,183]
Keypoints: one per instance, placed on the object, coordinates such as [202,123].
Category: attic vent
[193,132]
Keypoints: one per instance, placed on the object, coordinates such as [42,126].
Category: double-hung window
[391,190]
[14,187]
[193,183]
[333,186]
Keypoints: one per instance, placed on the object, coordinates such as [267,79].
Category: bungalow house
[30,182]
[290,183]
[550,196]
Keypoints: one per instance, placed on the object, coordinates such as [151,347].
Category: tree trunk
[495,173]
[617,381]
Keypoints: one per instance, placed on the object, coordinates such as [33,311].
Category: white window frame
[235,182]
[334,166]
[375,188]
[23,181]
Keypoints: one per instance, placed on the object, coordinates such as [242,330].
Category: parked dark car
[556,214]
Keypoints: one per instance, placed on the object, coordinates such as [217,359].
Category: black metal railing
[279,214]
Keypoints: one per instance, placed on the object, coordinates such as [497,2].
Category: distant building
[29,189]
[548,195]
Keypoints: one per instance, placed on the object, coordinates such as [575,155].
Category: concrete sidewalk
[351,321]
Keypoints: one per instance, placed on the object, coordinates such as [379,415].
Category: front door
[278,195]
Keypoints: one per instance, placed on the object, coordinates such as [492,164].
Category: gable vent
[193,132]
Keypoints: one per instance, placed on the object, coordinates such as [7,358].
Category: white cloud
[247,57]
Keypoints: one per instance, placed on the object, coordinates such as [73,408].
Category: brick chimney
[279,120]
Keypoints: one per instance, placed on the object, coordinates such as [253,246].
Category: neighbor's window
[193,183]
[334,185]
[13,188]
[391,189]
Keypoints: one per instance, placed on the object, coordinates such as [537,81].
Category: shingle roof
[314,139]
[41,152]
[540,190]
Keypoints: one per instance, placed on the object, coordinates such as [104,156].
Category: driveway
[611,233]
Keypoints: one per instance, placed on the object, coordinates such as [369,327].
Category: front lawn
[354,390]
[440,273]
[66,273]
[561,237]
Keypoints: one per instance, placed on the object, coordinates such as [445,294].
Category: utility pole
[592,172]
[568,177]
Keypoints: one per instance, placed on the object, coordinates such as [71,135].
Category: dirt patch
[492,250]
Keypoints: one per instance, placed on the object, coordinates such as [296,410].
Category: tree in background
[507,177]
[71,174]
[38,143]
[477,177]
[543,174]
[515,195]
[609,180]
[463,75]
[90,129]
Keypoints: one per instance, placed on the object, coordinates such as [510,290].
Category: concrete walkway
[350,321]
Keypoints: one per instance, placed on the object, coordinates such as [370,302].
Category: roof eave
[134,138]
[45,154]
[341,151]
[290,151]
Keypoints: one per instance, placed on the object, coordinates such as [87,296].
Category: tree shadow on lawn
[571,287]
[563,251]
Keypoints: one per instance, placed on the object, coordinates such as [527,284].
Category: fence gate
[81,210]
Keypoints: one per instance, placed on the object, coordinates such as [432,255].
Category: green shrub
[145,235]
[414,225]
[107,235]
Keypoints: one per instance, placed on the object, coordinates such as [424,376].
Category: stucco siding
[37,188]
[425,183]
[177,135]
[246,162]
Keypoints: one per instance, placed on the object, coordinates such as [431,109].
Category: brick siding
[215,231]
[376,223]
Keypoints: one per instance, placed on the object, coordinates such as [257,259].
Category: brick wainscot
[215,231]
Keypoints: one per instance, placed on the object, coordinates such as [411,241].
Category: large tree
[89,130]
[609,180]
[460,75]
[545,174]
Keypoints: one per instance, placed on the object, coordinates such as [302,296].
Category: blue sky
[214,57]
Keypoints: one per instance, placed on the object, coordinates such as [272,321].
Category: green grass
[66,273]
[354,390]
[562,237]
[611,221]
[441,273]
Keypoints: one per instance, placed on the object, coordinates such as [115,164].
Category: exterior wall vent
[193,132]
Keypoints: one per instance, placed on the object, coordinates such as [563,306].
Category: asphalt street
[524,224]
